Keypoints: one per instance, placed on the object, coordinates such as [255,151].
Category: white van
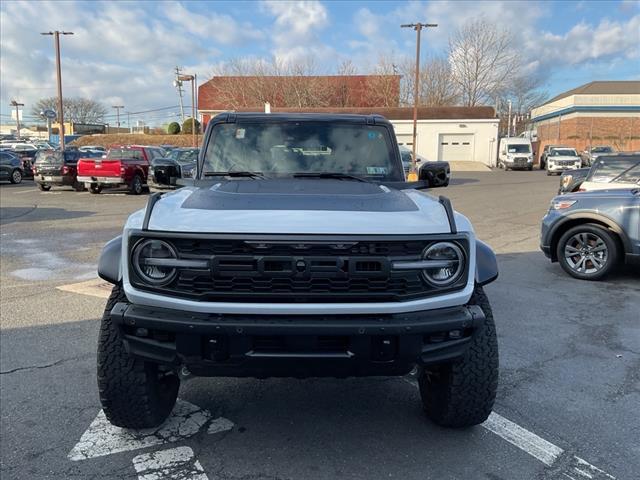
[515,153]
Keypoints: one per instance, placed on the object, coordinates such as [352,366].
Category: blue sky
[124,52]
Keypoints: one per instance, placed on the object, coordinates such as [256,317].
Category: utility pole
[178,84]
[129,121]
[118,107]
[16,104]
[509,121]
[416,91]
[192,79]
[56,37]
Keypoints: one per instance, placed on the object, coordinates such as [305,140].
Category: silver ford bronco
[298,250]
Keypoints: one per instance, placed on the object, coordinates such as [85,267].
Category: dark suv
[54,168]
[300,250]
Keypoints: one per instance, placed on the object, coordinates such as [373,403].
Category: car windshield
[126,153]
[183,156]
[303,147]
[522,148]
[625,170]
[602,150]
[565,152]
[49,157]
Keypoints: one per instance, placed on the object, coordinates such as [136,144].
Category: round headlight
[150,261]
[448,261]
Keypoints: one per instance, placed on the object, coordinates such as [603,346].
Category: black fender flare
[110,260]
[486,264]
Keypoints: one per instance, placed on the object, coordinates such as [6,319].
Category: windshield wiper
[234,174]
[334,175]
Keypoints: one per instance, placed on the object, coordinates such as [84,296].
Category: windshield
[602,150]
[618,170]
[565,152]
[303,147]
[518,148]
[183,156]
[127,153]
[49,156]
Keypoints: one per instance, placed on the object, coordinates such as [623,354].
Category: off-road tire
[462,393]
[95,189]
[133,393]
[78,186]
[16,176]
[611,243]
[136,187]
[43,187]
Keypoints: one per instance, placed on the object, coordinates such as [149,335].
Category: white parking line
[538,447]
[25,191]
[102,438]
[173,464]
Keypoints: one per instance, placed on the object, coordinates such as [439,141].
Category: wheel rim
[586,253]
[17,176]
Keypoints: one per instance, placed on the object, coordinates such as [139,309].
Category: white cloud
[585,42]
[295,29]
[120,52]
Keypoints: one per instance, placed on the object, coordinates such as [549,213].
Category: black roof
[241,117]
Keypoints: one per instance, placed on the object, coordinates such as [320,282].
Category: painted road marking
[95,287]
[538,447]
[173,464]
[102,438]
[25,191]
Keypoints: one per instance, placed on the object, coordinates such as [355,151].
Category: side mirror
[436,174]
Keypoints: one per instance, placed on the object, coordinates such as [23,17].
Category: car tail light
[122,169]
[65,170]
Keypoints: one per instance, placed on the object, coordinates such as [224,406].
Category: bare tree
[524,92]
[384,84]
[436,83]
[481,57]
[78,110]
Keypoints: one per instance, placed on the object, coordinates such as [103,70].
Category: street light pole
[416,90]
[56,36]
[118,107]
[16,104]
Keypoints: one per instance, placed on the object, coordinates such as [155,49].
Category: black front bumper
[296,346]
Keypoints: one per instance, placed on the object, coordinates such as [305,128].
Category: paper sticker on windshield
[240,133]
[376,170]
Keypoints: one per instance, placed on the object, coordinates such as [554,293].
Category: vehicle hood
[298,206]
[608,193]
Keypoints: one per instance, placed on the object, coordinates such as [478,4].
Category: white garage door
[456,148]
[405,139]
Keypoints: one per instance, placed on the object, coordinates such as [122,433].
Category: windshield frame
[396,175]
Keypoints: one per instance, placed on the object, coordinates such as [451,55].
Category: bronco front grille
[299,270]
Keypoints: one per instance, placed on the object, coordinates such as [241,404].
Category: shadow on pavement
[35,213]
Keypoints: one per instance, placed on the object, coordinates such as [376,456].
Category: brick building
[221,94]
[598,113]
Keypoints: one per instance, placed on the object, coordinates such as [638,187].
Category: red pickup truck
[122,166]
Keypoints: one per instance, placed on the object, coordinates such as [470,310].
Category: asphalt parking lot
[567,401]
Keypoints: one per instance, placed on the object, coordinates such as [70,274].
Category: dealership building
[468,134]
[598,113]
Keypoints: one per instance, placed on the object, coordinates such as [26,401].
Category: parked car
[10,167]
[93,148]
[515,153]
[545,154]
[613,171]
[560,159]
[55,168]
[570,180]
[300,250]
[589,156]
[589,233]
[438,172]
[179,163]
[125,166]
